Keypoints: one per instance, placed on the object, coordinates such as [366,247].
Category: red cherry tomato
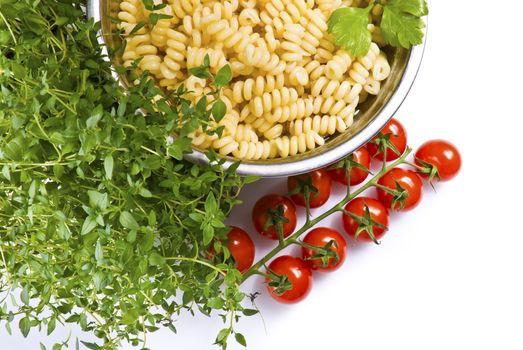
[398,137]
[357,176]
[320,180]
[241,247]
[409,181]
[299,275]
[378,213]
[443,155]
[264,211]
[320,237]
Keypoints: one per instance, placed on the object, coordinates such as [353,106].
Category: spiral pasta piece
[381,68]
[323,125]
[339,64]
[256,150]
[182,8]
[340,91]
[291,146]
[269,100]
[245,132]
[303,107]
[131,13]
[247,89]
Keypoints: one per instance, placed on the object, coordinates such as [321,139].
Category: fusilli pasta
[291,85]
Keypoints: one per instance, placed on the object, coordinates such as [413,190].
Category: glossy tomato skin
[299,275]
[443,155]
[320,180]
[378,213]
[260,215]
[409,181]
[357,176]
[241,247]
[398,138]
[320,237]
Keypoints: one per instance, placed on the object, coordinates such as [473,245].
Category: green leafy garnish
[401,25]
[349,26]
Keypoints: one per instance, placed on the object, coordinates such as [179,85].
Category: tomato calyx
[348,164]
[325,253]
[306,186]
[384,144]
[280,283]
[399,194]
[427,169]
[365,224]
[276,217]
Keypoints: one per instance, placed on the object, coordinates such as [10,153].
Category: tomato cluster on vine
[365,219]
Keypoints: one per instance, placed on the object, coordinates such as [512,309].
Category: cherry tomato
[318,179]
[320,237]
[398,137]
[241,247]
[443,155]
[357,176]
[299,275]
[377,212]
[268,209]
[409,181]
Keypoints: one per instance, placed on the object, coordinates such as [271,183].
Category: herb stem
[197,261]
[9,28]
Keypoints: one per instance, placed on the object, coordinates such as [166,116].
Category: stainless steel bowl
[374,113]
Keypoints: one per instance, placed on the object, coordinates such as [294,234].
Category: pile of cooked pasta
[292,87]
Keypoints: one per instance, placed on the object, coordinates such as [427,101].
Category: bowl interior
[104,10]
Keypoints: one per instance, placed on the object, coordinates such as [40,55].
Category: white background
[447,275]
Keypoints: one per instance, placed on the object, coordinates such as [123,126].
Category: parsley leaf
[349,27]
[401,23]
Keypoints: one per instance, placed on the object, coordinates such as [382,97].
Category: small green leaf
[240,339]
[51,326]
[156,259]
[144,192]
[25,326]
[128,221]
[95,117]
[92,346]
[249,312]
[108,166]
[200,72]
[155,17]
[201,105]
[99,253]
[224,76]
[223,335]
[24,295]
[210,203]
[218,110]
[131,236]
[97,199]
[130,317]
[88,225]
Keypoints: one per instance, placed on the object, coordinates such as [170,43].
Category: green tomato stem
[312,222]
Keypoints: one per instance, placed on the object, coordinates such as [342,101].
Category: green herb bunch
[102,222]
